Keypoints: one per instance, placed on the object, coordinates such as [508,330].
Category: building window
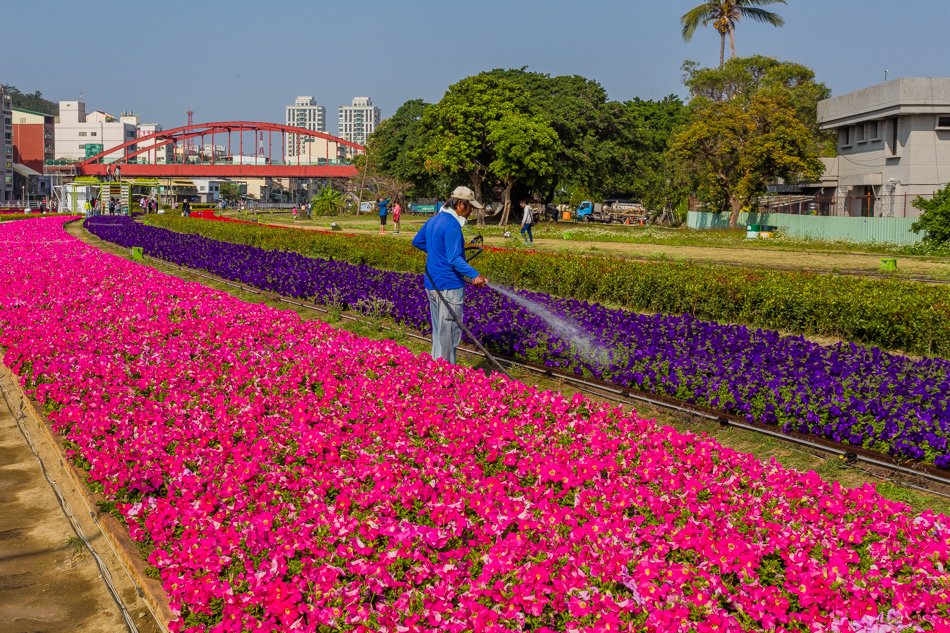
[92,134]
[82,134]
[859,134]
[892,137]
[943,122]
[844,137]
[874,131]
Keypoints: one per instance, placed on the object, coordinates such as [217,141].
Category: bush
[935,219]
[889,313]
[328,202]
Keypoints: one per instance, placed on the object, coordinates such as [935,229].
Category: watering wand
[476,248]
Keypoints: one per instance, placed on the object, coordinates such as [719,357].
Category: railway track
[885,467]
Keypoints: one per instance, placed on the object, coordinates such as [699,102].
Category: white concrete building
[893,145]
[307,113]
[359,120]
[79,135]
[208,190]
[158,156]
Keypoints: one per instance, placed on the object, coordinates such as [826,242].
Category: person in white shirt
[526,219]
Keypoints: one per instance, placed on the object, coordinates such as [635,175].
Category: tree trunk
[732,44]
[476,178]
[734,212]
[506,203]
[722,50]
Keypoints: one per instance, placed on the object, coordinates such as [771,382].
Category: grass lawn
[729,247]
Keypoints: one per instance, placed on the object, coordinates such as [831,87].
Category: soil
[49,581]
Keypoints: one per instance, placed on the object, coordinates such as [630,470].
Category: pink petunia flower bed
[288,476]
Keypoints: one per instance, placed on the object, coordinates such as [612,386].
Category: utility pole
[191,115]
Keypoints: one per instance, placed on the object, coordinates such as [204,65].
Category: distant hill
[34,101]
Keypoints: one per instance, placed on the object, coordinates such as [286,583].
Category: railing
[854,206]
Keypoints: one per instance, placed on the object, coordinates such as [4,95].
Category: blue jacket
[441,239]
[383,204]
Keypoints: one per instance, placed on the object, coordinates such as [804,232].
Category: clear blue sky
[247,60]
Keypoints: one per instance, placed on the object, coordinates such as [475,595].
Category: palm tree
[724,15]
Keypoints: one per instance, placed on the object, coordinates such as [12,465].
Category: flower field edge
[846,393]
[290,476]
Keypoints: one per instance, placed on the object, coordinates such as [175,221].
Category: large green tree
[751,122]
[231,192]
[576,109]
[392,149]
[603,148]
[652,180]
[458,127]
[606,147]
[525,148]
[724,15]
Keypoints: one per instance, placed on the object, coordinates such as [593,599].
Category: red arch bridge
[237,149]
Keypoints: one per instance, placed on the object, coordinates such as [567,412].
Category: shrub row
[892,314]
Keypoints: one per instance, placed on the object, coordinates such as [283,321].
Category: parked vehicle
[545,212]
[611,210]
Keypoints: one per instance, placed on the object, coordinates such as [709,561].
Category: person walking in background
[294,212]
[397,212]
[440,238]
[185,209]
[383,212]
[526,219]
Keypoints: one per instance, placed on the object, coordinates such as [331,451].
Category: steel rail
[851,454]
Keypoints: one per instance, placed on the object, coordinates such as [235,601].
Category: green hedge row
[892,314]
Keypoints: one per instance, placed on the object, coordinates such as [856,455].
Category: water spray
[567,330]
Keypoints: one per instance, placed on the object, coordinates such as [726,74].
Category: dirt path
[865,263]
[811,260]
[49,581]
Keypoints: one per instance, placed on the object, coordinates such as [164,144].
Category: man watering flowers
[440,238]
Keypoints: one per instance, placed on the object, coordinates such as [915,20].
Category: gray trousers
[446,332]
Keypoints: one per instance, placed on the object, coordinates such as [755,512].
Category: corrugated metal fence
[832,229]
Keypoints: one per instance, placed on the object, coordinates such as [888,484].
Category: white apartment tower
[359,120]
[305,113]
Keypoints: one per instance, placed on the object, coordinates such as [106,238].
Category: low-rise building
[208,190]
[6,146]
[80,136]
[155,156]
[33,138]
[893,145]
